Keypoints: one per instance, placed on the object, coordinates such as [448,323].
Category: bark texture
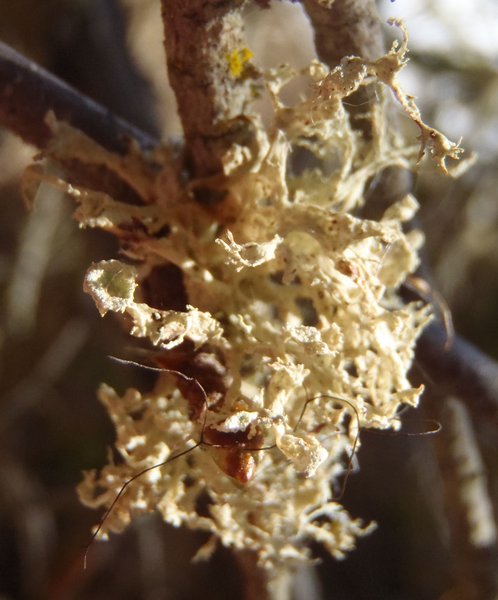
[201,39]
[345,28]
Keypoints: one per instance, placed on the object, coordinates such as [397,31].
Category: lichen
[290,296]
[237,60]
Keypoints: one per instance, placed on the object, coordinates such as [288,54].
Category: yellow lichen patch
[237,59]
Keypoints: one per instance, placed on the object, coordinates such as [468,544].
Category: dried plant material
[112,285]
[290,296]
[431,140]
[70,144]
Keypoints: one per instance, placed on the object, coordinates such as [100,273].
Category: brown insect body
[196,367]
[203,380]
[234,452]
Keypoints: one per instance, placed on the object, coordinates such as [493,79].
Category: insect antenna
[436,428]
[125,485]
[344,401]
[201,441]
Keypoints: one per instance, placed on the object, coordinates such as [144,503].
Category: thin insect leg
[240,447]
[173,372]
[305,405]
[369,101]
[424,290]
[349,466]
[201,442]
[383,257]
[133,363]
[437,427]
[158,465]
[380,261]
[123,489]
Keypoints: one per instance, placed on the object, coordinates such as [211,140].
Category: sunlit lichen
[290,295]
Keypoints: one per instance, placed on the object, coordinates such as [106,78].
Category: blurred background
[54,346]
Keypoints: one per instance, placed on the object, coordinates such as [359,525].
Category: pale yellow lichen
[237,59]
[295,296]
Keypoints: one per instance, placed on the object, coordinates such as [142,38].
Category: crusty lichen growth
[289,296]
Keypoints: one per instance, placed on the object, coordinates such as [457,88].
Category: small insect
[234,450]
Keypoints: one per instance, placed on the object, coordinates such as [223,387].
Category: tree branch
[28,92]
[204,47]
[462,370]
[347,27]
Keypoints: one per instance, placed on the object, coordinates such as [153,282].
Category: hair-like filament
[200,442]
[349,404]
[429,294]
[241,448]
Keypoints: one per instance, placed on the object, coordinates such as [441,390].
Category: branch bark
[202,37]
[28,92]
[347,27]
[468,505]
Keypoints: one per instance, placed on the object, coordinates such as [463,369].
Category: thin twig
[462,370]
[28,92]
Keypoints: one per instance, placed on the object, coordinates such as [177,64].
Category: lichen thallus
[243,448]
